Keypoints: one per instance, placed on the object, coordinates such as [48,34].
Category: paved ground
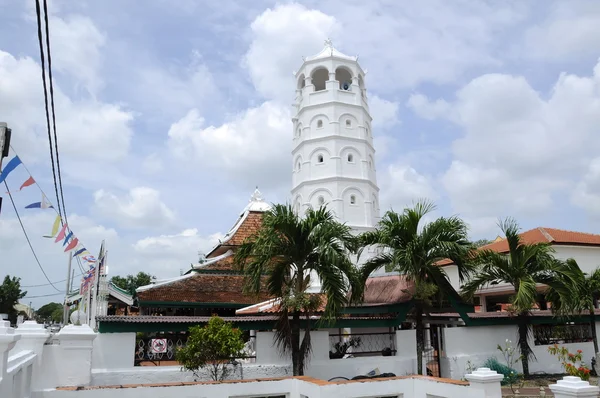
[526,392]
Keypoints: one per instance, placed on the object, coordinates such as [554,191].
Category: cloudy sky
[171,112]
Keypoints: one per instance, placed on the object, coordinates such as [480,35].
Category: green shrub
[511,376]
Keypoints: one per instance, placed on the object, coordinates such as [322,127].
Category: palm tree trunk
[420,337]
[296,363]
[593,326]
[523,343]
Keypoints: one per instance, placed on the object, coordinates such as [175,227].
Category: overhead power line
[51,81]
[43,65]
[48,284]
[45,295]
[27,237]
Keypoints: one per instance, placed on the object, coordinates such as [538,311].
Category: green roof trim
[183,304]
[268,324]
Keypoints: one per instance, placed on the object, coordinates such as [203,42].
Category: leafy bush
[511,376]
[569,361]
[214,346]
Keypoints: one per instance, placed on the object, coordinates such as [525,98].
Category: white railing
[484,384]
[19,375]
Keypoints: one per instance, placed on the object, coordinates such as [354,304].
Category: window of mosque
[319,124]
[348,123]
[352,199]
[320,159]
[321,201]
[350,158]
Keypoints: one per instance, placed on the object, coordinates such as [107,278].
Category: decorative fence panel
[162,347]
[362,344]
[562,334]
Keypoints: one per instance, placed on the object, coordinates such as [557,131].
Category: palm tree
[414,249]
[525,267]
[584,291]
[285,255]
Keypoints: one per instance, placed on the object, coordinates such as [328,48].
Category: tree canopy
[50,312]
[413,247]
[212,346]
[10,294]
[132,282]
[289,254]
[524,267]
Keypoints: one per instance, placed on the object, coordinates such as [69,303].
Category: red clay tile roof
[202,288]
[248,227]
[388,290]
[379,290]
[225,264]
[548,235]
[551,236]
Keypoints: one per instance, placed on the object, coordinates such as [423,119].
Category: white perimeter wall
[167,374]
[478,343]
[113,351]
[291,388]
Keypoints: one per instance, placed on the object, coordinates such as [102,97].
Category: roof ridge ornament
[329,44]
[256,196]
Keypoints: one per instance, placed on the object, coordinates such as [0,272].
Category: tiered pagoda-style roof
[214,283]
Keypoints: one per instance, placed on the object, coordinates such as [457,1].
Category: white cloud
[76,49]
[140,208]
[87,129]
[587,191]
[280,36]
[253,148]
[570,29]
[519,148]
[170,253]
[401,185]
[426,109]
[383,112]
[152,164]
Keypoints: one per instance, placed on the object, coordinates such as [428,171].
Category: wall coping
[307,379]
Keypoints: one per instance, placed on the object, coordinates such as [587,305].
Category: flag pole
[66,307]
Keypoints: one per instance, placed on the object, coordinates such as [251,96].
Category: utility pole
[5,134]
[66,309]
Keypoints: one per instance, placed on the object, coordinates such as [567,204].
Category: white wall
[289,387]
[475,344]
[588,258]
[113,351]
[167,374]
[478,343]
[267,352]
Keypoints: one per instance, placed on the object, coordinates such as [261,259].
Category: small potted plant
[342,347]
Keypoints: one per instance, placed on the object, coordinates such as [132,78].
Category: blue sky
[170,113]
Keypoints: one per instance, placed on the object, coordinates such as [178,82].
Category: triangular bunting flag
[40,205]
[10,166]
[72,245]
[61,234]
[68,237]
[28,182]
[54,228]
[80,251]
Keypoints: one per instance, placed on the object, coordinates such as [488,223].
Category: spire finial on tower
[328,43]
[256,196]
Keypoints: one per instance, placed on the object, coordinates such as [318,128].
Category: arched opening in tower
[344,78]
[319,77]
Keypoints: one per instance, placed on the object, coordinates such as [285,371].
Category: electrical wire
[48,54]
[43,64]
[47,284]
[27,237]
[45,295]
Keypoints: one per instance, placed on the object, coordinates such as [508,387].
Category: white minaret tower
[333,153]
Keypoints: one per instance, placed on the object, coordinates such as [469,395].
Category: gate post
[486,380]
